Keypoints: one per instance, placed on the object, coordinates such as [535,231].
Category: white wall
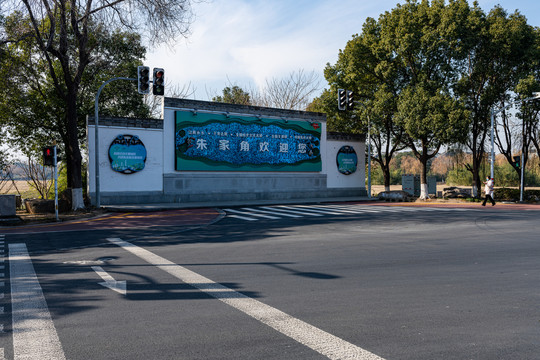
[148,179]
[335,179]
[160,182]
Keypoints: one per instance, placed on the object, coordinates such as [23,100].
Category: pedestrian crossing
[276,212]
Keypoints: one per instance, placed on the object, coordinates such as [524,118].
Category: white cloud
[245,42]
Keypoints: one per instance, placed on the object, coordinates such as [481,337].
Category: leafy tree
[423,37]
[373,74]
[495,55]
[234,95]
[39,117]
[66,39]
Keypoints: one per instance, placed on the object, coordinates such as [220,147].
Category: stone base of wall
[193,188]
[159,198]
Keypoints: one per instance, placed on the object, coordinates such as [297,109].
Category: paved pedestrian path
[126,220]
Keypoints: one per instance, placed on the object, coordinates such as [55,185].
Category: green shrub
[507,194]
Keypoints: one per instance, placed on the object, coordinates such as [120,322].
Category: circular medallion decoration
[127,154]
[346,160]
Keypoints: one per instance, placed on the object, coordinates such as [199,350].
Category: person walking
[488,190]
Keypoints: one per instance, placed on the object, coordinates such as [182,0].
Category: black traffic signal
[159,82]
[517,162]
[342,99]
[143,79]
[350,100]
[49,156]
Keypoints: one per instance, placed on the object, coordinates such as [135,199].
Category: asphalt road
[342,282]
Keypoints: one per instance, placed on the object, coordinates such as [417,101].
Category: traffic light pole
[368,148]
[56,183]
[96,133]
[522,176]
[346,102]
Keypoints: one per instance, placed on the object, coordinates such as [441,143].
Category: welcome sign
[215,142]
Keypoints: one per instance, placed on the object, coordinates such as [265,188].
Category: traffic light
[342,99]
[350,100]
[143,79]
[517,162]
[49,156]
[159,82]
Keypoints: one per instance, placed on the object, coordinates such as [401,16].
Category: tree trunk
[423,178]
[476,175]
[74,153]
[475,183]
[386,172]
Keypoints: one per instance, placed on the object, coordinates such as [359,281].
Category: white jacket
[488,187]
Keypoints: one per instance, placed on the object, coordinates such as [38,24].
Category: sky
[246,42]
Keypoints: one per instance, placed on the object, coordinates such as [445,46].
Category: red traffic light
[159,82]
[48,156]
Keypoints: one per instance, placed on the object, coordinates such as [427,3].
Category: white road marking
[241,217]
[367,209]
[329,208]
[250,214]
[303,213]
[307,211]
[296,211]
[34,334]
[319,210]
[110,282]
[326,344]
[272,212]
[350,208]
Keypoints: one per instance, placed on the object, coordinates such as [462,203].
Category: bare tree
[7,183]
[516,136]
[176,91]
[66,33]
[39,177]
[294,92]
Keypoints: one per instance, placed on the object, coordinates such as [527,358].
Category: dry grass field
[23,188]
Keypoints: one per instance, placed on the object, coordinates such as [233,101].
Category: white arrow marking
[118,286]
